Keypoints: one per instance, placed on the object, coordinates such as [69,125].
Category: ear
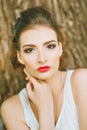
[60,49]
[19,57]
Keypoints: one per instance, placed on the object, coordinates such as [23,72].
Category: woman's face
[40,52]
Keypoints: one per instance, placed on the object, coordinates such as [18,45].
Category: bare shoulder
[80,74]
[79,87]
[79,82]
[79,79]
[11,104]
[11,110]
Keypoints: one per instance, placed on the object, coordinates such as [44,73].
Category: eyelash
[50,46]
[28,50]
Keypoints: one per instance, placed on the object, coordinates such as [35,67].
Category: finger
[25,71]
[33,80]
[29,90]
[26,78]
[28,75]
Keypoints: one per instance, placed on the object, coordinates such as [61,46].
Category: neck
[55,83]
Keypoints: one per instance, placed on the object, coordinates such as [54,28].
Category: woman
[52,99]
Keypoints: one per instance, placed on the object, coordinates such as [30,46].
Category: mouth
[44,69]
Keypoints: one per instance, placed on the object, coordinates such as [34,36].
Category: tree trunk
[71,16]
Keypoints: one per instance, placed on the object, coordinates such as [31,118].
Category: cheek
[29,61]
[55,59]
[54,56]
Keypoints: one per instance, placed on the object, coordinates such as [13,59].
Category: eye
[51,46]
[28,50]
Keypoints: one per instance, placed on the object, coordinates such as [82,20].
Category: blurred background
[71,16]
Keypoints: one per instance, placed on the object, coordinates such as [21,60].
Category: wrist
[46,110]
[46,120]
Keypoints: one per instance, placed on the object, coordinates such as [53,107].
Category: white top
[68,119]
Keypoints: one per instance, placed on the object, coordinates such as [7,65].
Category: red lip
[43,68]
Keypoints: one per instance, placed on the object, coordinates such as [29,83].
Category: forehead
[38,34]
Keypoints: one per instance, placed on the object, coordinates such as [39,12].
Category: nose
[42,57]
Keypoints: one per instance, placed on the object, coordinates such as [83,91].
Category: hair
[32,17]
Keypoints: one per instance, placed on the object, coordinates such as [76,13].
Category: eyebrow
[45,43]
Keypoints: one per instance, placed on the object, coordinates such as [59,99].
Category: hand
[39,93]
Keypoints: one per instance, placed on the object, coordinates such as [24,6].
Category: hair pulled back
[31,17]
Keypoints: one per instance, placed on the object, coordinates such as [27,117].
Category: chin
[44,76]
